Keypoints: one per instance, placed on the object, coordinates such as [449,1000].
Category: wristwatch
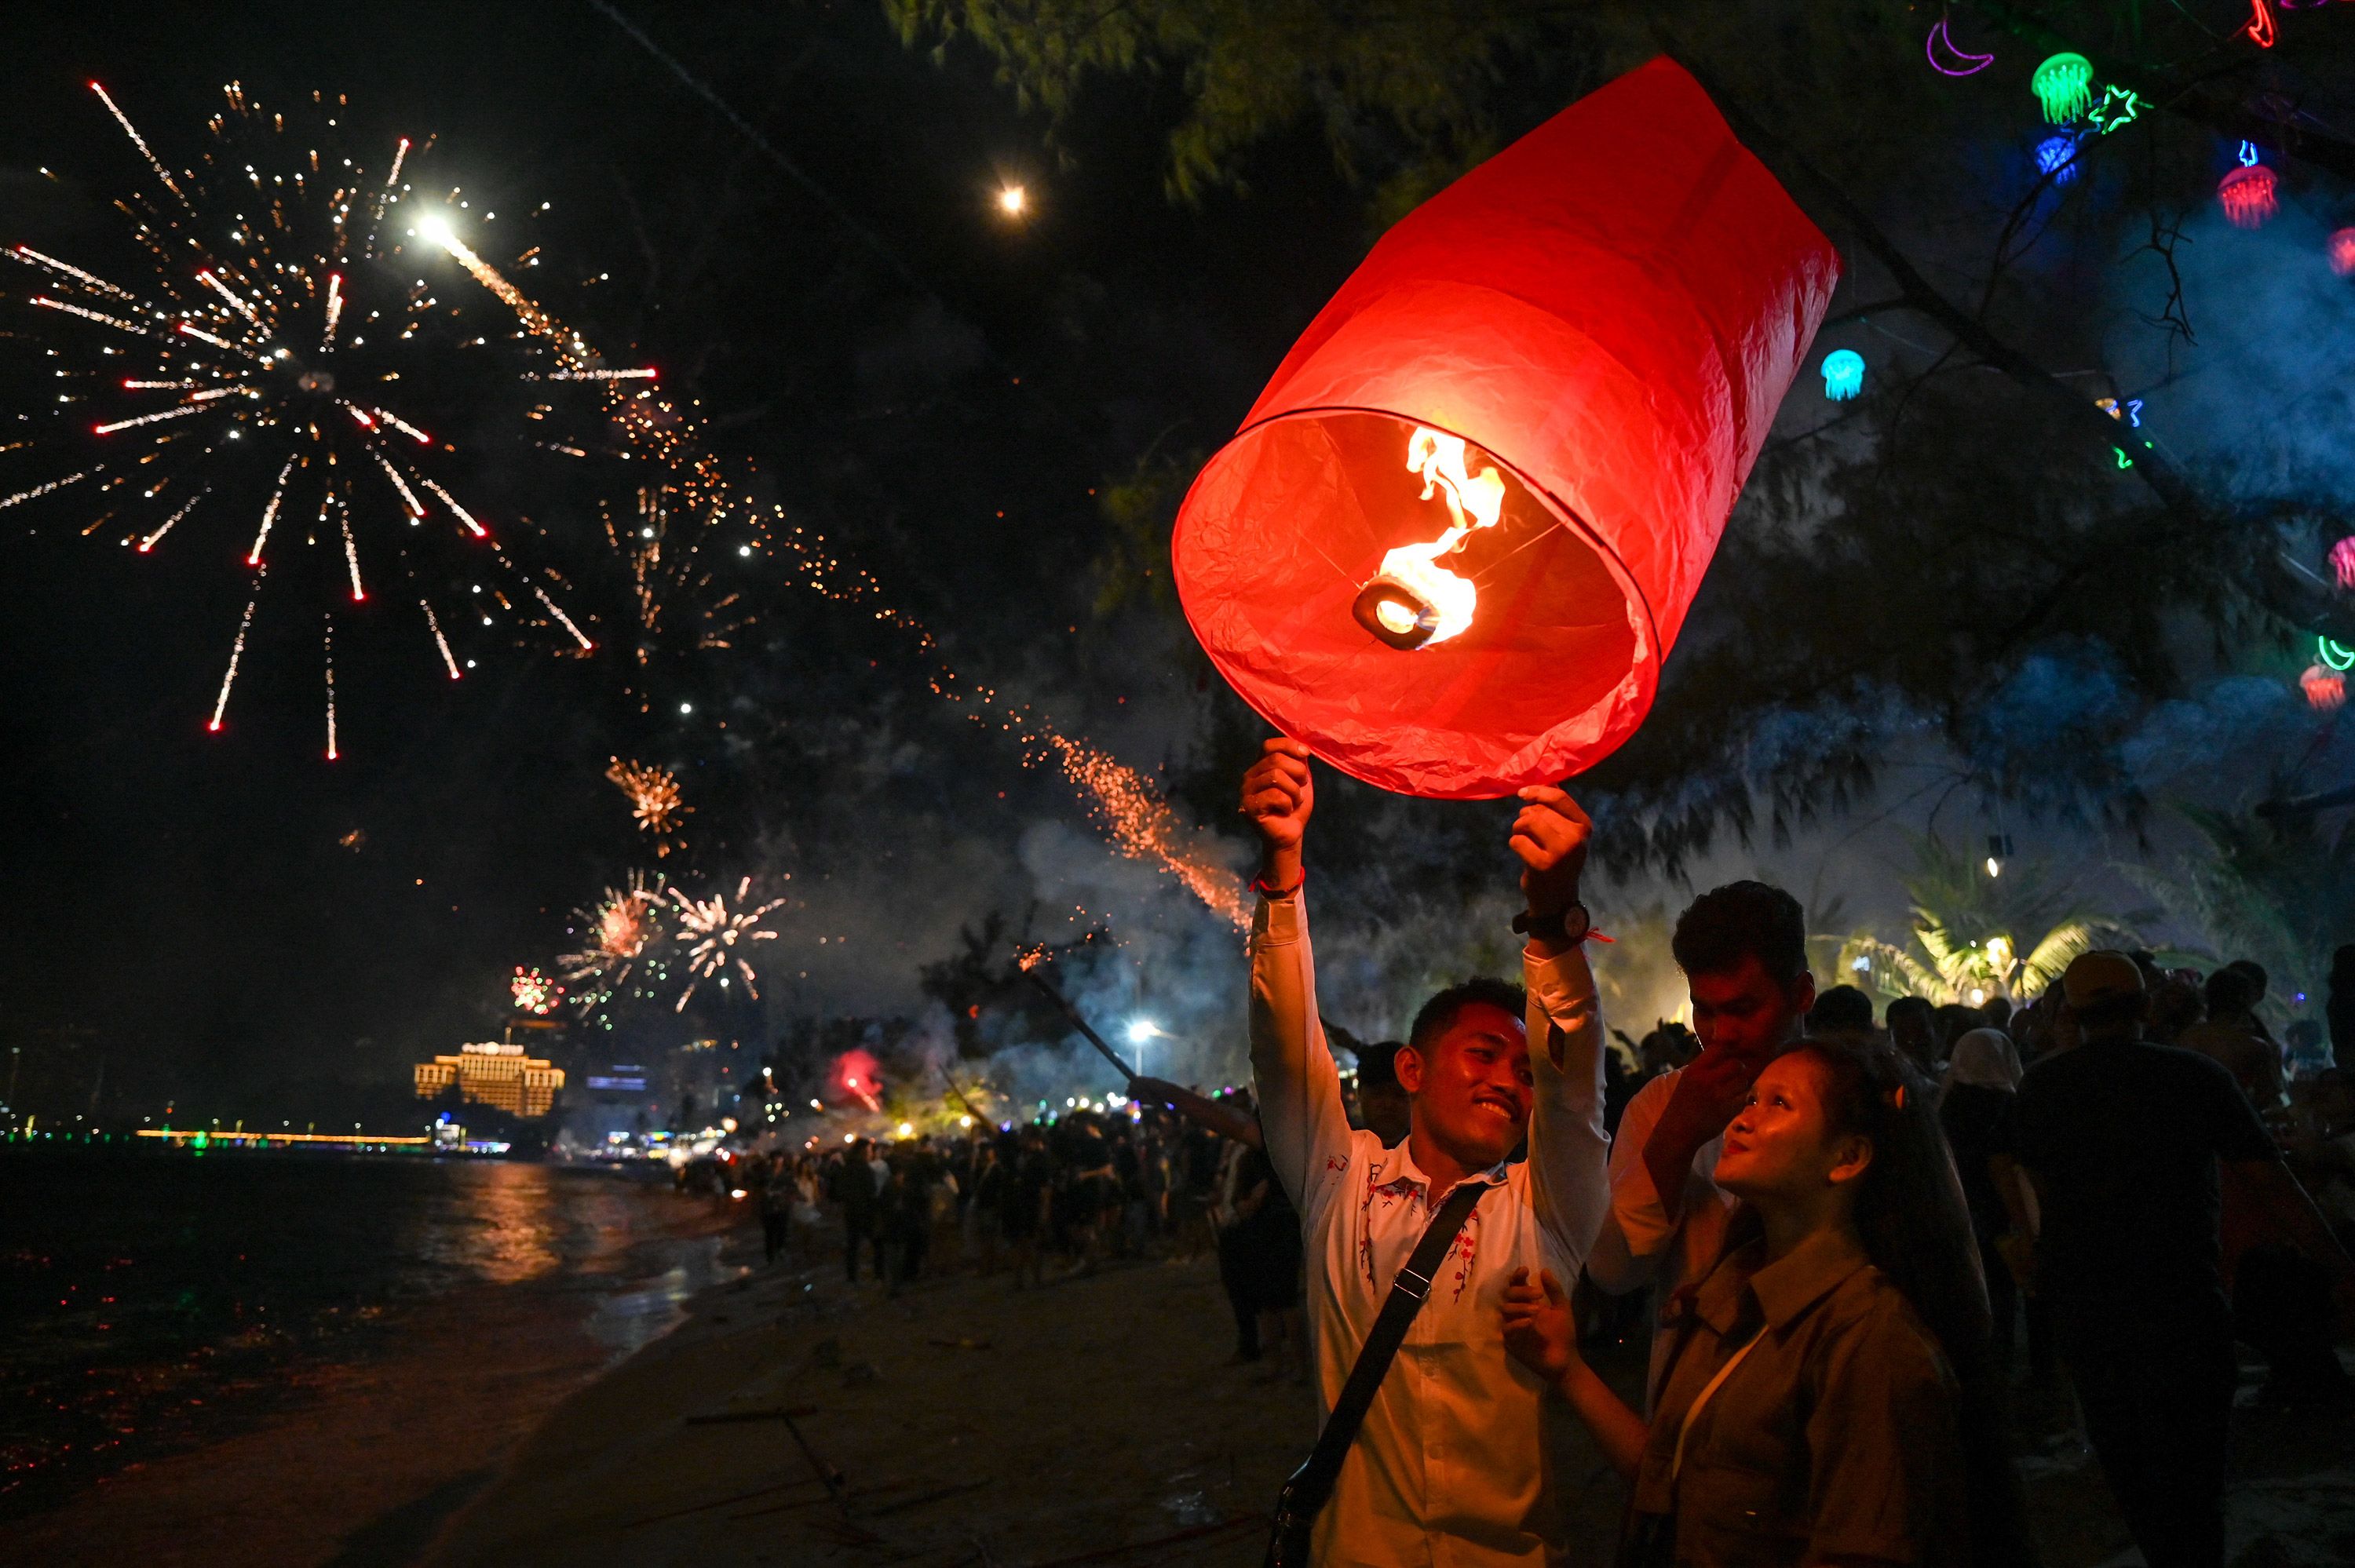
[1561,929]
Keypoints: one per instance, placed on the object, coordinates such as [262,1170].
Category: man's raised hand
[1550,836]
[1278,796]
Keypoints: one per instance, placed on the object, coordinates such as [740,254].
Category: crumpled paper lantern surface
[1608,311]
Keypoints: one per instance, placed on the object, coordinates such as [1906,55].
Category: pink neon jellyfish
[2248,196]
[2342,561]
[2340,248]
[2326,690]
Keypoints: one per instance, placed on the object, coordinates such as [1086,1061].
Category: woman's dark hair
[1916,1228]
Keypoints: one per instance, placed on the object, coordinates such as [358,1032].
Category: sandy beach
[793,1419]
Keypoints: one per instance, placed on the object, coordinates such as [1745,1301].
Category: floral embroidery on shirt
[1465,1246]
[1336,1162]
[1389,1193]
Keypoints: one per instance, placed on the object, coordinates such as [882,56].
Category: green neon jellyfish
[2064,85]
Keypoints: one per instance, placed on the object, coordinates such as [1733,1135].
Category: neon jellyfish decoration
[2326,690]
[2057,156]
[2342,561]
[2335,656]
[2064,85]
[2340,248]
[2248,195]
[1843,374]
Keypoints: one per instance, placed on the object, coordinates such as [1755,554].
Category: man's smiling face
[1471,1085]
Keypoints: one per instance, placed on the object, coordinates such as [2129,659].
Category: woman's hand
[1539,1329]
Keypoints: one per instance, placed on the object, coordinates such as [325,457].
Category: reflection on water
[503,1228]
[150,1303]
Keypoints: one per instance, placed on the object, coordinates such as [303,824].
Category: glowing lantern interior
[2064,84]
[2247,194]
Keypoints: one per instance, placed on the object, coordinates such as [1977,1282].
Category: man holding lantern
[1432,1453]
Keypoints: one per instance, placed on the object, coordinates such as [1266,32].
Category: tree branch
[2188,511]
[2182,95]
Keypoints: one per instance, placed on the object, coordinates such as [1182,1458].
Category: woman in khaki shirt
[1810,1411]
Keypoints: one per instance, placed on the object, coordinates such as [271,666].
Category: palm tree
[2279,890]
[1974,936]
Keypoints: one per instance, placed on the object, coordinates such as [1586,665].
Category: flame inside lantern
[1413,601]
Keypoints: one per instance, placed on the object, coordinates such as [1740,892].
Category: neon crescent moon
[1940,42]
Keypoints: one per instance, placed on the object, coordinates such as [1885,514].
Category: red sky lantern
[1461,527]
[2247,192]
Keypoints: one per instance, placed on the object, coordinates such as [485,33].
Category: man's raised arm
[1300,1110]
[1568,1146]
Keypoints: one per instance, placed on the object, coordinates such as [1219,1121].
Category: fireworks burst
[268,372]
[615,933]
[1139,820]
[715,939]
[655,800]
[674,600]
[534,992]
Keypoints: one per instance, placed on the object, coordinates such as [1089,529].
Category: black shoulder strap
[1313,1483]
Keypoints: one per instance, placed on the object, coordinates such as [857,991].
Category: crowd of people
[1841,1225]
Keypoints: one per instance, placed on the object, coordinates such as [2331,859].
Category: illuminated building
[492,1074]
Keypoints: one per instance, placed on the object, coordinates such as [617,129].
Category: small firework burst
[655,800]
[270,363]
[668,556]
[534,992]
[715,939]
[614,932]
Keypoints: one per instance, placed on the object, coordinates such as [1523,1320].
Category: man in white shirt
[1743,949]
[1445,1472]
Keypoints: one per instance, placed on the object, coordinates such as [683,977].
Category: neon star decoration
[1843,374]
[2117,110]
[2064,84]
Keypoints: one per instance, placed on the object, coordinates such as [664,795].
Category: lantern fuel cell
[1462,526]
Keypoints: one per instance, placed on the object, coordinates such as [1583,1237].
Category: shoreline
[355,1462]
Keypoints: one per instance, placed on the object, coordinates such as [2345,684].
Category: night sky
[947,395]
[189,900]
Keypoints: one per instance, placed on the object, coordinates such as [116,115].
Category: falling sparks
[716,940]
[269,348]
[1139,820]
[655,799]
[328,641]
[236,652]
[433,624]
